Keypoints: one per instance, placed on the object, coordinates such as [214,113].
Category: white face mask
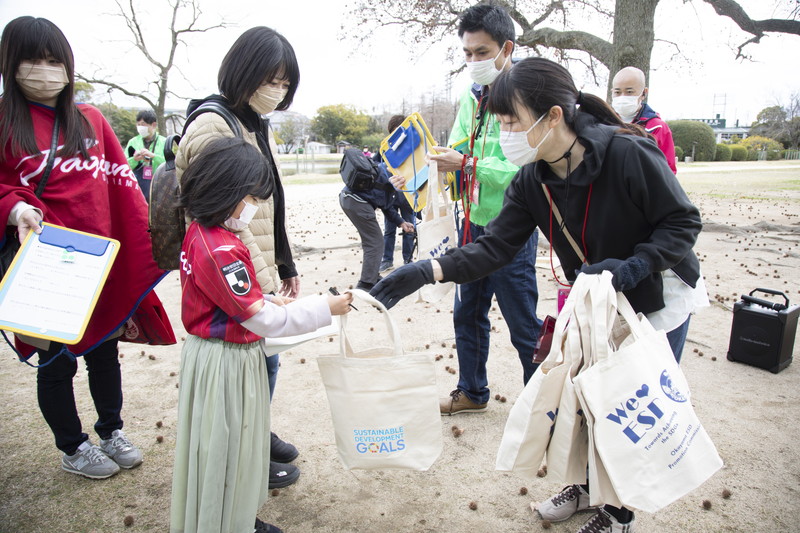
[266,99]
[485,72]
[244,218]
[144,131]
[626,106]
[41,82]
[516,148]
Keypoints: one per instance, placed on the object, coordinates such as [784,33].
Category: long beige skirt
[221,470]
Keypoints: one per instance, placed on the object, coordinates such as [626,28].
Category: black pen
[333,291]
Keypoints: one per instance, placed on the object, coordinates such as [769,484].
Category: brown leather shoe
[458,402]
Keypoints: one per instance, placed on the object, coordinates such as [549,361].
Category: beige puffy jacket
[259,235]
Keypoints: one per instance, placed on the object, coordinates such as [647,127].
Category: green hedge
[687,132]
[723,153]
[738,152]
[679,153]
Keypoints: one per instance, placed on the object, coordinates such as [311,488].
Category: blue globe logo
[669,389]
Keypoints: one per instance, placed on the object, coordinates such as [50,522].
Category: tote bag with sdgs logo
[384,402]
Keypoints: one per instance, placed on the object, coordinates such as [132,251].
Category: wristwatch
[469,165]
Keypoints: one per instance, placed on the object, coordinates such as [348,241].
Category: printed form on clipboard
[54,282]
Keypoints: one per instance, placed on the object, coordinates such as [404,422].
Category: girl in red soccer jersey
[222,453]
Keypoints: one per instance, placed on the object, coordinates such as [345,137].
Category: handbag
[533,416]
[643,428]
[10,245]
[436,234]
[384,402]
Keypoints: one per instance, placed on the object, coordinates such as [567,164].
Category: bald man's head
[628,92]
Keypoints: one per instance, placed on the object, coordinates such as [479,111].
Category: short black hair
[259,55]
[492,19]
[147,115]
[222,174]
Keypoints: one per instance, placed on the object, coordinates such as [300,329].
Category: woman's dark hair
[147,115]
[540,84]
[492,19]
[259,55]
[222,174]
[29,38]
[395,121]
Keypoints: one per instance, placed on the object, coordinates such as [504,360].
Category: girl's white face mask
[41,83]
[626,106]
[485,72]
[266,99]
[516,148]
[244,218]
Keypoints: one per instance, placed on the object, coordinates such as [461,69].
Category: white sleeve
[16,211]
[301,316]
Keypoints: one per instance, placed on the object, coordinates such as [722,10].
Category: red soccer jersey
[218,285]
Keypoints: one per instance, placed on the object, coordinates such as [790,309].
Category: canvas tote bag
[568,451]
[436,233]
[644,429]
[532,417]
[384,403]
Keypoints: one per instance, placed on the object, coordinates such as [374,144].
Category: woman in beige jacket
[258,75]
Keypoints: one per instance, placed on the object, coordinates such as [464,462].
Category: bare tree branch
[732,10]
[601,49]
[116,87]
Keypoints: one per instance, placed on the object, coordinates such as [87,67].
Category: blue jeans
[273,362]
[517,295]
[389,232]
[677,338]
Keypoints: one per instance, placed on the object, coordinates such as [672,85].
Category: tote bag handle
[432,206]
[394,335]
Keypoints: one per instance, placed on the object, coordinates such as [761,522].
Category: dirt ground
[751,239]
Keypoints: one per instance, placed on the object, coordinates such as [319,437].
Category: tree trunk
[633,37]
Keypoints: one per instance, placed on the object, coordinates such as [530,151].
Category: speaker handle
[765,303]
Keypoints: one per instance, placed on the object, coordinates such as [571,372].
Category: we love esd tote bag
[384,402]
[533,416]
[645,431]
[436,233]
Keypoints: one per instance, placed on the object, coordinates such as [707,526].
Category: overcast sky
[704,81]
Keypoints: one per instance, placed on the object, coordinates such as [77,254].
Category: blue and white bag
[643,428]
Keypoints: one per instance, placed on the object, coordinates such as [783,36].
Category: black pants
[57,399]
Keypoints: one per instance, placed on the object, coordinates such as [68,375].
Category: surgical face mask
[41,83]
[485,72]
[144,131]
[266,99]
[244,218]
[515,147]
[626,106]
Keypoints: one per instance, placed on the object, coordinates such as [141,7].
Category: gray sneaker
[121,451]
[89,461]
[565,504]
[385,265]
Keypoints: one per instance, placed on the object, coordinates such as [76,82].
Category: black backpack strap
[219,109]
[50,159]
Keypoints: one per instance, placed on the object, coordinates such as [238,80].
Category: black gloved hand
[627,274]
[402,282]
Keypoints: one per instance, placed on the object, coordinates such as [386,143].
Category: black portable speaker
[763,332]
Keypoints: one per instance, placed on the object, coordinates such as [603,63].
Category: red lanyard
[564,222]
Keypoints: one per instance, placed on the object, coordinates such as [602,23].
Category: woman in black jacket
[623,211]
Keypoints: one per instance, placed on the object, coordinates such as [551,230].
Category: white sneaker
[602,522]
[89,461]
[121,451]
[564,504]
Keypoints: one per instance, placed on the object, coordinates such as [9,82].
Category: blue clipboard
[54,282]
